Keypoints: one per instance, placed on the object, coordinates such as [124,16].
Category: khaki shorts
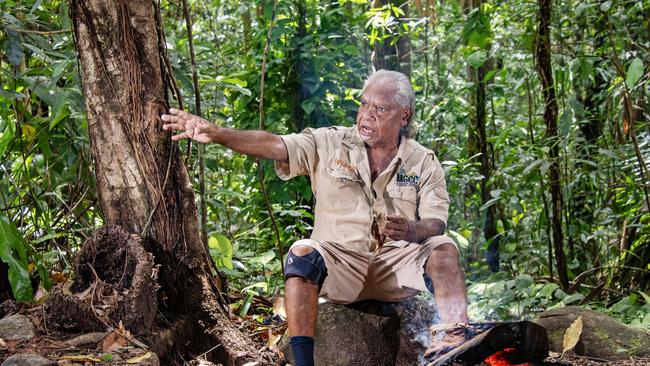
[395,273]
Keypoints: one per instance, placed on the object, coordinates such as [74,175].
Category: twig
[43,33]
[197,110]
[261,127]
[162,191]
[215,347]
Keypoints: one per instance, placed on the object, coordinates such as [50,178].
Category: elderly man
[380,214]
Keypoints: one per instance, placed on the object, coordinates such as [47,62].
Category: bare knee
[301,250]
[443,258]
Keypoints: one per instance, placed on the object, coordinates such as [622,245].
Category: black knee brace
[310,267]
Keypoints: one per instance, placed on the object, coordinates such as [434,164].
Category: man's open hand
[399,228]
[191,126]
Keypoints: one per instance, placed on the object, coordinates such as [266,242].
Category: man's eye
[381,109]
[364,103]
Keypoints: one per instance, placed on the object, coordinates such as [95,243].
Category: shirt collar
[353,140]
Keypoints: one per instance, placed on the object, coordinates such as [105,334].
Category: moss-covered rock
[602,336]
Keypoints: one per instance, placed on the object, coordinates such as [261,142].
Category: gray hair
[404,94]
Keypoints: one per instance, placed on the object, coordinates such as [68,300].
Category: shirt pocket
[341,192]
[402,202]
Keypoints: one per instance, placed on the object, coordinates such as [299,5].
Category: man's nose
[370,112]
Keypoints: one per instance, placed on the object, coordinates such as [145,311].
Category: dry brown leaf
[278,307]
[139,358]
[58,277]
[273,339]
[80,358]
[572,335]
[114,341]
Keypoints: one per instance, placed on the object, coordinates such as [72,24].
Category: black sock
[303,350]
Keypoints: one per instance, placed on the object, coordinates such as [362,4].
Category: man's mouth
[366,131]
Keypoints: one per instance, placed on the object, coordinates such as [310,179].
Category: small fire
[500,358]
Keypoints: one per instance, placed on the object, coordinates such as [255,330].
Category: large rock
[602,336]
[16,328]
[26,359]
[372,333]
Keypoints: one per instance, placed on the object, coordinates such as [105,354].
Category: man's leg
[301,304]
[443,267]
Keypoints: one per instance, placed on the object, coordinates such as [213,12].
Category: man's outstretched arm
[259,144]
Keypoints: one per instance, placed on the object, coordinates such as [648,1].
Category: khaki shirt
[336,161]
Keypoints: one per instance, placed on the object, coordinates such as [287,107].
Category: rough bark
[141,182]
[545,72]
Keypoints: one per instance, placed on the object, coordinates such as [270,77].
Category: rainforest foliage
[542,127]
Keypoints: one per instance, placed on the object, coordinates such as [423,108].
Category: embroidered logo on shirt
[344,166]
[407,179]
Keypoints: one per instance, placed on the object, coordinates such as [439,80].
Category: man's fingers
[180,136]
[172,126]
[396,219]
[395,235]
[396,226]
[180,113]
[171,118]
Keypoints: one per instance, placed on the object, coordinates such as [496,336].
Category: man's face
[379,118]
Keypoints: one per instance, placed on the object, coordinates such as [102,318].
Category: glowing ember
[500,358]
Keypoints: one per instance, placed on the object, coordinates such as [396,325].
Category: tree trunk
[394,52]
[545,72]
[485,148]
[141,182]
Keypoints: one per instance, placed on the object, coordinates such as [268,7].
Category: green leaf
[13,251]
[572,298]
[221,250]
[523,281]
[605,6]
[634,72]
[238,88]
[547,290]
[265,257]
[247,304]
[477,58]
[261,285]
[6,136]
[489,203]
[13,47]
[308,106]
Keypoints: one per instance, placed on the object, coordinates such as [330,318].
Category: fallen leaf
[41,294]
[251,364]
[139,358]
[58,277]
[278,307]
[80,358]
[572,335]
[114,341]
[273,339]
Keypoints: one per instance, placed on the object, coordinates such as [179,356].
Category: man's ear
[406,114]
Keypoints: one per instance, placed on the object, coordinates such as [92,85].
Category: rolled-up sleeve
[301,148]
[433,199]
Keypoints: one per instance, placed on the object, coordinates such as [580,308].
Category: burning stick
[472,343]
